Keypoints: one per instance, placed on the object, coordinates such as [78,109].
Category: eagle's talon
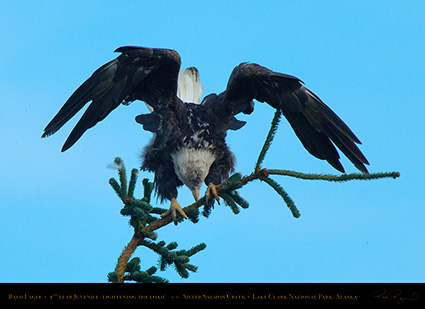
[174,208]
[211,193]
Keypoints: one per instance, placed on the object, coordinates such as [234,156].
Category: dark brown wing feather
[139,73]
[314,123]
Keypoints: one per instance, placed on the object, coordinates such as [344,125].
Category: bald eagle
[188,144]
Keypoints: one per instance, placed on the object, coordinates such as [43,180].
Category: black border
[382,294]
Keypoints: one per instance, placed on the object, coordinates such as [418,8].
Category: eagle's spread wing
[315,124]
[138,73]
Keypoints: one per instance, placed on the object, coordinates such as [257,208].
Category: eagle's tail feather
[189,86]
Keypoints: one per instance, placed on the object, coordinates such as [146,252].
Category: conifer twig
[269,139]
[337,178]
[289,202]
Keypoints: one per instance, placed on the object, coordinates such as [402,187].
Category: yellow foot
[211,193]
[174,207]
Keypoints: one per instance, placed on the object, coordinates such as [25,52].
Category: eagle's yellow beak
[195,194]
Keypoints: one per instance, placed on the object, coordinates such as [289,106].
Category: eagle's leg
[174,208]
[211,193]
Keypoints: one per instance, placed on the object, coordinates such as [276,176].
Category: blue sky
[59,219]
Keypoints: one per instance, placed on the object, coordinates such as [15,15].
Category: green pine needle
[336,178]
[132,183]
[269,139]
[114,184]
[192,214]
[228,200]
[147,189]
[122,176]
[238,199]
[112,276]
[289,202]
[196,249]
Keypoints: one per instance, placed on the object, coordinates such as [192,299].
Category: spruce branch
[335,178]
[269,139]
[225,189]
[118,275]
[145,220]
[260,175]
[289,202]
[147,190]
[180,259]
[122,176]
[141,214]
[132,183]
[133,272]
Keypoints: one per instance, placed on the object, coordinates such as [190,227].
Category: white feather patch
[189,87]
